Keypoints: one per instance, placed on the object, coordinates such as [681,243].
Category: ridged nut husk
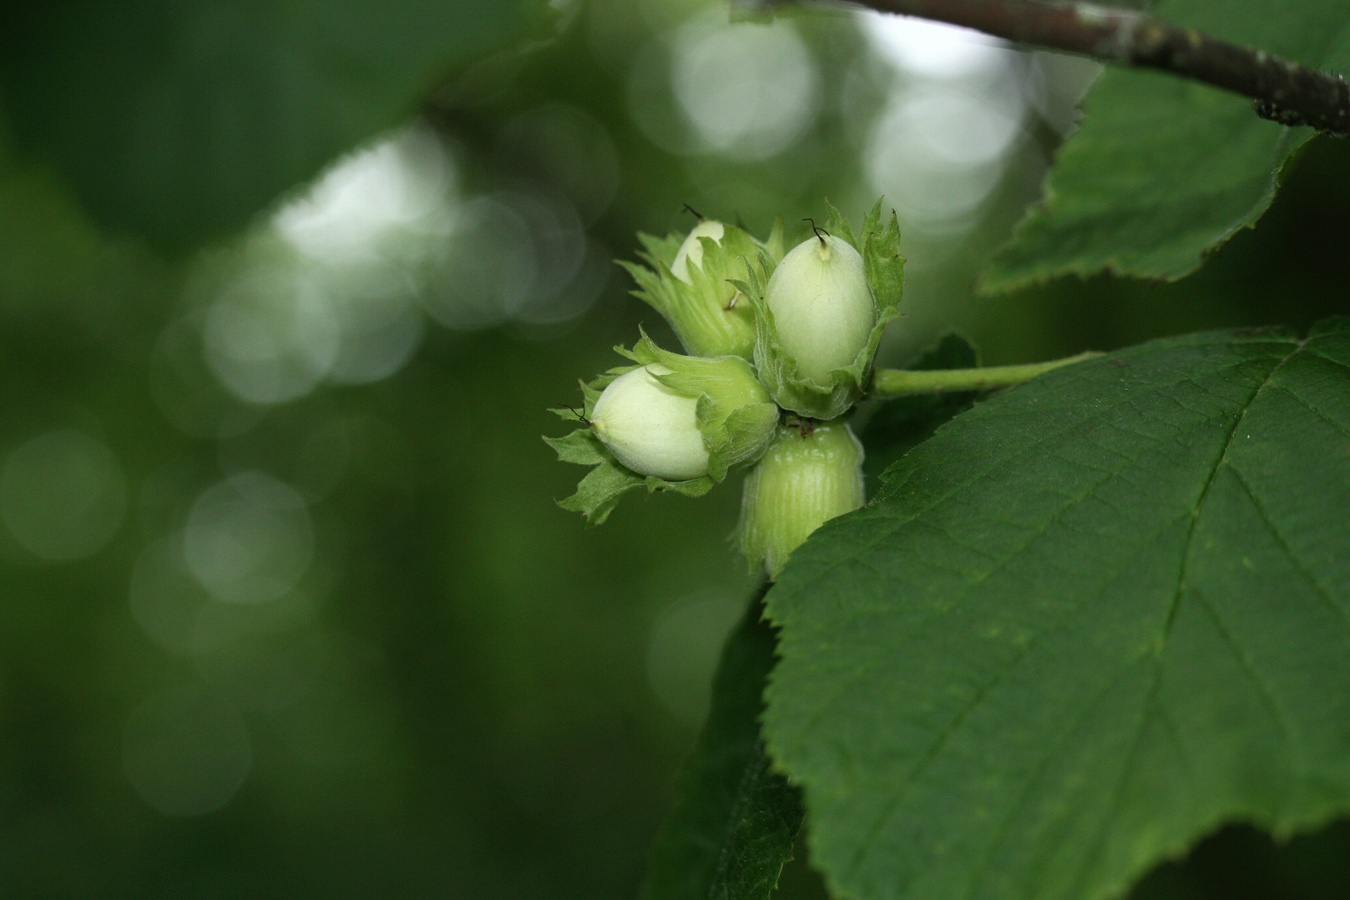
[811,473]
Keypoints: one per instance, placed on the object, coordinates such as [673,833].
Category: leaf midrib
[1150,705]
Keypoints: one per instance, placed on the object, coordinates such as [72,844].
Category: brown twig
[1281,90]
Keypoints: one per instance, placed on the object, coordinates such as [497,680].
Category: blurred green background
[286,606]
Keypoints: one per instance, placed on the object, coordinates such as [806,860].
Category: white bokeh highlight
[932,50]
[249,539]
[270,336]
[400,184]
[749,92]
[954,112]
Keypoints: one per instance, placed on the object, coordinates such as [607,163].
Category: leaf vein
[1150,707]
[1340,613]
[1042,766]
[1267,696]
[1338,426]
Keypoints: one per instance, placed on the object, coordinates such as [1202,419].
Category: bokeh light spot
[401,183]
[962,129]
[186,752]
[683,649]
[568,148]
[249,539]
[379,323]
[491,266]
[270,337]
[938,154]
[748,91]
[62,495]
[932,49]
[514,256]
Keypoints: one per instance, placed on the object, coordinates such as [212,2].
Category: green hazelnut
[650,428]
[811,473]
[672,423]
[735,413]
[822,306]
[820,313]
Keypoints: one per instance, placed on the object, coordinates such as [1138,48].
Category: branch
[1281,90]
[903,382]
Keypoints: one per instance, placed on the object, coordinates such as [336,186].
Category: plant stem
[903,382]
[1281,90]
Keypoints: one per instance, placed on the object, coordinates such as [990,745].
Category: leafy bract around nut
[813,348]
[691,251]
[601,489]
[735,413]
[689,281]
[809,475]
[648,444]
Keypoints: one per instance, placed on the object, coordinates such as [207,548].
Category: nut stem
[904,382]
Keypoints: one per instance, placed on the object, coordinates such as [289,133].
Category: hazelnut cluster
[778,346]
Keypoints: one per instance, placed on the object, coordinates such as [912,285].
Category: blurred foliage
[729,789]
[179,120]
[288,607]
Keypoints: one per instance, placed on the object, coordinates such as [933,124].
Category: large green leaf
[1165,170]
[736,819]
[179,120]
[1086,623]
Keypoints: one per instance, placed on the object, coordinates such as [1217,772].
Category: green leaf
[732,829]
[1165,170]
[1088,622]
[881,257]
[600,490]
[604,486]
[179,120]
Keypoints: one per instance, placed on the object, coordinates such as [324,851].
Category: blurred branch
[1282,90]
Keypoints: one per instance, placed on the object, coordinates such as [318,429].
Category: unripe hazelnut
[822,308]
[735,412]
[650,428]
[811,473]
